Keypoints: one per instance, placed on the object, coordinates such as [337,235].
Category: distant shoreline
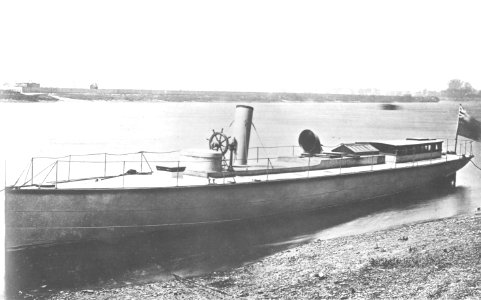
[20,97]
[51,94]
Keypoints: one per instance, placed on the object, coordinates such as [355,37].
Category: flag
[468,126]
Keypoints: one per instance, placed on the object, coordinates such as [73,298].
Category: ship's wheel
[218,141]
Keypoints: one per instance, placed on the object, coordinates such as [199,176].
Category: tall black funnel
[242,132]
[309,142]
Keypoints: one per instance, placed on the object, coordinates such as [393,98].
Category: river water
[75,127]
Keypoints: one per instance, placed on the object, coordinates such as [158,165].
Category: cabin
[412,149]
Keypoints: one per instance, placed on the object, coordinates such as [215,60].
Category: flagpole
[456,141]
[457,131]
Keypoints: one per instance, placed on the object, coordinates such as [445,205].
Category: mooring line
[475,165]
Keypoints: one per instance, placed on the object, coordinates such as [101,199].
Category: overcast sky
[299,46]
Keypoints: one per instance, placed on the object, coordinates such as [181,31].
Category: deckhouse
[411,149]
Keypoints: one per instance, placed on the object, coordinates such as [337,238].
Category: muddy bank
[436,259]
[20,97]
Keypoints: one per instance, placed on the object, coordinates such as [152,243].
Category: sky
[272,46]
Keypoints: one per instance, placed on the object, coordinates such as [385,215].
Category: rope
[164,152]
[26,168]
[53,166]
[477,167]
[35,176]
[260,141]
[28,171]
[111,154]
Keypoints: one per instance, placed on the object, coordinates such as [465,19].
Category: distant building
[27,85]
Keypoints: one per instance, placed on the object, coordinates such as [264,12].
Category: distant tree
[468,89]
[94,86]
[455,84]
[459,89]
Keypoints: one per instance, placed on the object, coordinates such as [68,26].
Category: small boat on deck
[224,183]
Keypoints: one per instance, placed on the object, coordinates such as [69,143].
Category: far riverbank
[217,96]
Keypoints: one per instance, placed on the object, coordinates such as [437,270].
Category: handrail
[461,147]
[464,147]
[105,153]
[179,151]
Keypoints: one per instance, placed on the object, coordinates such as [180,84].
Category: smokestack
[242,132]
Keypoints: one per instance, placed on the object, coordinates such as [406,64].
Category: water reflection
[195,251]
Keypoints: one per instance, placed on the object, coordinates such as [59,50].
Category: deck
[279,169]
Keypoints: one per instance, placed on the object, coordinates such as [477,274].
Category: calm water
[72,127]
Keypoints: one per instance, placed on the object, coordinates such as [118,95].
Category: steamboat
[225,182]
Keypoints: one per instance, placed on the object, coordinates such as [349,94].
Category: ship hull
[49,216]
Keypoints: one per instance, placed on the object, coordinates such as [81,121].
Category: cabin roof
[408,142]
[357,148]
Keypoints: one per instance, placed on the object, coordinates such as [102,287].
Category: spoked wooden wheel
[218,141]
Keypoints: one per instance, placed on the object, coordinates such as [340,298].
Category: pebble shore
[438,259]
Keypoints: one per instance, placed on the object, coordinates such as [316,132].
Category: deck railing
[289,150]
[55,170]
[458,147]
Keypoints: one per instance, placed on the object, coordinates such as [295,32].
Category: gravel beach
[439,259]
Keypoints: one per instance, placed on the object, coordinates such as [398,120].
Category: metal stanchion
[267,170]
[178,165]
[56,174]
[395,159]
[308,166]
[105,164]
[32,171]
[123,175]
[69,160]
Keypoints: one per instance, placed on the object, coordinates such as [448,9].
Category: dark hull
[45,216]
